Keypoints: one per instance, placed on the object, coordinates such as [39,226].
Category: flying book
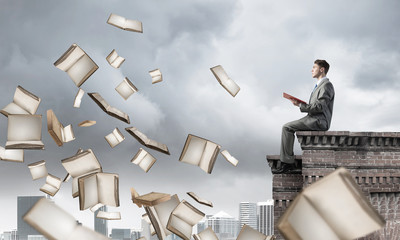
[114,138]
[126,88]
[109,215]
[156,76]
[147,219]
[38,169]
[248,232]
[24,102]
[78,98]
[12,155]
[159,216]
[331,208]
[77,64]
[114,59]
[290,97]
[183,218]
[98,188]
[125,24]
[200,152]
[24,132]
[206,234]
[52,185]
[87,123]
[199,200]
[55,223]
[96,207]
[149,199]
[144,160]
[224,80]
[144,140]
[141,238]
[81,164]
[229,158]
[112,111]
[57,131]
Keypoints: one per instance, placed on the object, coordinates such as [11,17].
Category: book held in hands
[125,24]
[24,102]
[290,97]
[224,80]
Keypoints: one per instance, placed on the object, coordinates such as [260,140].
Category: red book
[290,97]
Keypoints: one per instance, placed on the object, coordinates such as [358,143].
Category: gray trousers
[306,123]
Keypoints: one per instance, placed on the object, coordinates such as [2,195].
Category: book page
[231,87]
[118,62]
[13,108]
[78,98]
[179,227]
[126,88]
[81,164]
[38,169]
[147,162]
[24,128]
[109,215]
[151,199]
[164,210]
[199,200]
[229,158]
[209,156]
[248,232]
[26,100]
[108,189]
[188,213]
[14,155]
[112,57]
[68,134]
[55,128]
[53,181]
[133,25]
[112,111]
[81,70]
[207,234]
[69,58]
[116,20]
[224,80]
[193,150]
[88,191]
[156,76]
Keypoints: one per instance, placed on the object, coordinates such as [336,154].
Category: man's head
[320,69]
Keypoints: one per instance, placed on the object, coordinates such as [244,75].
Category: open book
[147,219]
[87,123]
[206,234]
[81,164]
[224,80]
[38,169]
[24,132]
[144,140]
[159,216]
[114,59]
[114,138]
[12,155]
[98,188]
[149,199]
[55,223]
[200,152]
[57,131]
[248,232]
[125,24]
[183,218]
[24,102]
[144,160]
[52,185]
[200,200]
[112,111]
[126,88]
[156,75]
[290,97]
[78,98]
[229,158]
[109,215]
[331,208]
[77,64]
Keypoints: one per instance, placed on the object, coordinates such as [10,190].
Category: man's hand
[295,102]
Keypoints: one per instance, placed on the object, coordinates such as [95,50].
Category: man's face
[317,71]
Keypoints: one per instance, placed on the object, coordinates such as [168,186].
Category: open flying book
[331,208]
[12,155]
[159,216]
[55,223]
[112,111]
[125,24]
[149,199]
[290,97]
[200,152]
[248,232]
[144,160]
[81,164]
[87,123]
[156,75]
[77,64]
[38,169]
[78,98]
[57,131]
[24,132]
[114,59]
[109,215]
[183,218]
[147,219]
[126,88]
[224,80]
[144,140]
[114,138]
[206,234]
[199,200]
[229,158]
[52,185]
[24,102]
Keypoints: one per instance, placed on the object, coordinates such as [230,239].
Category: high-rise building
[12,235]
[225,226]
[120,234]
[248,214]
[24,204]
[100,225]
[265,216]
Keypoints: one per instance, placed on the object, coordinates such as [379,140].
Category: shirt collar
[320,80]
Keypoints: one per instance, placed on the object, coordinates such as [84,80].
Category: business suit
[319,109]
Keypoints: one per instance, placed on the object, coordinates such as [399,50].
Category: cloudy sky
[266,47]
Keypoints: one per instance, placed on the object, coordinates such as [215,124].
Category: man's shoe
[285,167]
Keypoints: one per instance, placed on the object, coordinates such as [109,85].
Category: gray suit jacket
[320,106]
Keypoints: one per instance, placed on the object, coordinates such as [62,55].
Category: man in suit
[319,114]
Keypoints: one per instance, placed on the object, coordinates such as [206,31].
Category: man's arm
[324,96]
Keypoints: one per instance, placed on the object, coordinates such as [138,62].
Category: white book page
[68,134]
[107,189]
[194,150]
[208,234]
[112,140]
[13,108]
[231,86]
[125,89]
[39,170]
[133,25]
[83,164]
[229,158]
[89,192]
[208,155]
[187,214]
[109,215]
[24,128]
[76,54]
[96,207]
[80,69]
[180,225]
[117,20]
[164,210]
[15,155]
[118,135]
[147,162]
[78,98]
[220,74]
[112,57]
[25,101]
[53,181]
[49,189]
[117,62]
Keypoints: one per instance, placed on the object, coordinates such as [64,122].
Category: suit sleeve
[325,95]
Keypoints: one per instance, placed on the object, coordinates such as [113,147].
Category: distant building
[24,204]
[12,235]
[248,214]
[120,234]
[36,237]
[101,225]
[265,216]
[225,226]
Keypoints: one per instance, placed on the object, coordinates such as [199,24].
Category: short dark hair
[322,63]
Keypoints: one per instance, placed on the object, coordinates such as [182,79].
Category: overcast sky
[266,47]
